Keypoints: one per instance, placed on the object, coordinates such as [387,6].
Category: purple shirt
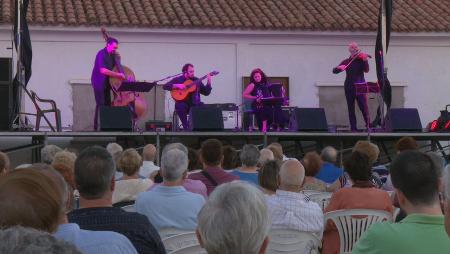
[218,174]
[194,186]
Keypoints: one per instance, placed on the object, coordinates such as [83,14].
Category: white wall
[422,61]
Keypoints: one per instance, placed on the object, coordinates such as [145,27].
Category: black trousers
[102,98]
[350,95]
[182,108]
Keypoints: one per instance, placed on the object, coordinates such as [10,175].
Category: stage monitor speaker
[206,119]
[403,119]
[115,119]
[308,119]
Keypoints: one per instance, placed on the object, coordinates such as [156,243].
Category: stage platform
[341,140]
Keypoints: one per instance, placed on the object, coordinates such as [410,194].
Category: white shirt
[147,168]
[292,210]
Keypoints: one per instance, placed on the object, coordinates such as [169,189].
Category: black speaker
[403,119]
[115,119]
[308,119]
[5,93]
[206,118]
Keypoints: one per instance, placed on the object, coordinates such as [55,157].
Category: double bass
[125,98]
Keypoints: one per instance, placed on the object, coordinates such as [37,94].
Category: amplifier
[230,120]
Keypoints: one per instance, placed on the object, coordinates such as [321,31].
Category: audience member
[277,151]
[162,204]
[94,177]
[249,159]
[212,175]
[194,161]
[67,173]
[264,156]
[406,143]
[234,220]
[328,172]
[268,176]
[312,164]
[372,151]
[148,168]
[415,179]
[447,198]
[23,240]
[66,158]
[4,163]
[229,158]
[115,150]
[291,209]
[48,153]
[362,195]
[131,183]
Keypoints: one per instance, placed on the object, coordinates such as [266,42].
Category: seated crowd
[231,199]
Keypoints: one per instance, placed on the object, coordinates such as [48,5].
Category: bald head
[292,174]
[149,153]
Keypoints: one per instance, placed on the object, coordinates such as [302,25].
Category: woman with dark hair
[362,195]
[268,177]
[256,90]
[312,164]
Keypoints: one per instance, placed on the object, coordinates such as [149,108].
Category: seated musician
[182,107]
[266,114]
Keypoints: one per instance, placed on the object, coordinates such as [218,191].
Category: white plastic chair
[129,208]
[168,232]
[352,223]
[180,241]
[193,249]
[321,198]
[288,241]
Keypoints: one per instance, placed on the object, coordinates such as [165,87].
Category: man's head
[173,165]
[292,175]
[149,153]
[447,198]
[234,220]
[211,153]
[31,199]
[112,44]
[115,150]
[249,155]
[188,71]
[406,143]
[353,48]
[178,146]
[415,179]
[329,154]
[94,173]
[48,153]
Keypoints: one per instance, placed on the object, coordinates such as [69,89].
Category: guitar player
[182,107]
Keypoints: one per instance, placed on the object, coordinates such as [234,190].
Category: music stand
[367,88]
[272,102]
[275,89]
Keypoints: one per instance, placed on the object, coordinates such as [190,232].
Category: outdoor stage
[298,141]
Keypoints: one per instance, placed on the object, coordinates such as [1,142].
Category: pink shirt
[218,174]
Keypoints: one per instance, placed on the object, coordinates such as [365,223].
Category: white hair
[447,182]
[234,220]
[291,172]
[48,153]
[178,146]
[265,155]
[174,163]
[249,155]
[329,154]
[114,148]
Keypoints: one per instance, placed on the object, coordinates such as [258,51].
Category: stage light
[434,126]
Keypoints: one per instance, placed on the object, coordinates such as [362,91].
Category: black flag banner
[22,42]
[384,25]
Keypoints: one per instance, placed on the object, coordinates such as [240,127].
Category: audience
[148,168]
[4,163]
[234,220]
[249,159]
[415,179]
[362,195]
[328,172]
[162,204]
[212,174]
[94,177]
[291,209]
[131,183]
[264,156]
[447,198]
[48,153]
[268,177]
[229,158]
[23,240]
[312,164]
[115,150]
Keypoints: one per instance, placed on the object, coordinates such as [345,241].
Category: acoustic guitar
[189,87]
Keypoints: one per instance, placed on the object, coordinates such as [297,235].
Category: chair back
[194,249]
[129,208]
[168,232]
[321,198]
[180,241]
[352,223]
[288,241]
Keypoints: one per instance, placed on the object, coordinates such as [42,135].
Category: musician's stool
[248,118]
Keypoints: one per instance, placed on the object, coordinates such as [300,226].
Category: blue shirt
[329,173]
[92,242]
[250,177]
[170,206]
